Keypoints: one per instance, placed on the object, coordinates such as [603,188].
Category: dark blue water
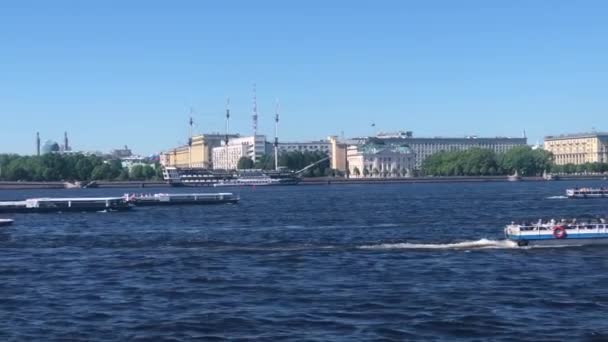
[315,263]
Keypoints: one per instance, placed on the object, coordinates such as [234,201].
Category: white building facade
[380,160]
[226,157]
[307,146]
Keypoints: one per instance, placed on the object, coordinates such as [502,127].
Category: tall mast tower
[255,112]
[191,122]
[227,120]
[276,137]
[38,143]
[255,122]
[66,146]
[227,128]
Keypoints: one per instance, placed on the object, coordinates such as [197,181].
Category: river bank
[68,185]
[455,179]
[305,181]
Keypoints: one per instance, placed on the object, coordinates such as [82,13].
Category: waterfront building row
[210,151]
[578,148]
[418,149]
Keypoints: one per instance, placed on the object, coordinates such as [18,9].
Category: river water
[315,263]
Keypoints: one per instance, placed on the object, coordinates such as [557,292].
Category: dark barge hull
[24,210]
[156,203]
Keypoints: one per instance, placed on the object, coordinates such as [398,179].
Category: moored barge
[53,205]
[180,199]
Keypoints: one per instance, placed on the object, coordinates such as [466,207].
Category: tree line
[71,167]
[580,168]
[520,160]
[293,160]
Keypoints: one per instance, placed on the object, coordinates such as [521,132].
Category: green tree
[102,172]
[356,172]
[245,163]
[124,175]
[137,172]
[149,172]
[264,162]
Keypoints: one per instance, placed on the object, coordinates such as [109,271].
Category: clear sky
[127,72]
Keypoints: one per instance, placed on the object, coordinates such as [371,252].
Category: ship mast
[255,121]
[190,139]
[227,128]
[276,137]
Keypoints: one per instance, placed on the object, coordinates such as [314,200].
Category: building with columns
[578,148]
[380,160]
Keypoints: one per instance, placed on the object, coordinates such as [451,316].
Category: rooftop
[577,135]
[372,148]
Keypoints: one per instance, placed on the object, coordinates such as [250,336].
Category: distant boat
[587,193]
[514,178]
[5,222]
[202,177]
[549,176]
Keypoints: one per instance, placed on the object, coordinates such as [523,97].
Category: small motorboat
[5,222]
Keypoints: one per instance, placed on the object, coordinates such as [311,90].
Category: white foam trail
[557,197]
[478,244]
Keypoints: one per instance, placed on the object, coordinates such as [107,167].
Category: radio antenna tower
[190,138]
[255,113]
[276,137]
[226,137]
[191,123]
[227,119]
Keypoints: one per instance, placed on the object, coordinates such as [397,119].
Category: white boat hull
[558,234]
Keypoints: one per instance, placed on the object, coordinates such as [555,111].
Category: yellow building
[198,154]
[338,154]
[578,148]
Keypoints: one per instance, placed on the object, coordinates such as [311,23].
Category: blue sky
[127,72]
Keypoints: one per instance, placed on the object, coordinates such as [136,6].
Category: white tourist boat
[587,192]
[558,233]
[5,222]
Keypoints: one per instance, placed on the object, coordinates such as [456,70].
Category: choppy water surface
[388,262]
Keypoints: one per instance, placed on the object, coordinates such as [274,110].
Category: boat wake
[557,197]
[477,244]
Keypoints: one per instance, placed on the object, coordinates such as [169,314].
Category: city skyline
[117,74]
